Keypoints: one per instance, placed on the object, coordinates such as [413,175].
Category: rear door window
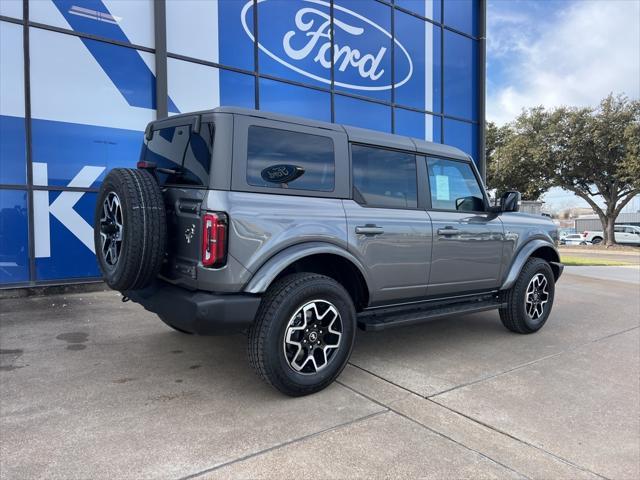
[384,178]
[185,152]
[286,159]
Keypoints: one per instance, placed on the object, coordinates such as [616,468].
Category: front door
[467,240]
[386,229]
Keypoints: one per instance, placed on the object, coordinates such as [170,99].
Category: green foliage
[593,152]
[517,160]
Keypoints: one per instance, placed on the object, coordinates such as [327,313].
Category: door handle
[369,230]
[448,231]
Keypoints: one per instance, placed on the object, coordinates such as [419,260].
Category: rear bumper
[198,312]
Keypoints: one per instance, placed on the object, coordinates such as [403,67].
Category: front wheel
[303,334]
[596,240]
[529,301]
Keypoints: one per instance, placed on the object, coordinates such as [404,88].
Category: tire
[130,229]
[279,346]
[596,240]
[520,316]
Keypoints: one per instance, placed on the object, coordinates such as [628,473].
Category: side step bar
[392,317]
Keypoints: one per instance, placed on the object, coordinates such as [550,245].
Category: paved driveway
[94,388]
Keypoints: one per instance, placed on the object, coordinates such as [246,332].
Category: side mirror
[510,201]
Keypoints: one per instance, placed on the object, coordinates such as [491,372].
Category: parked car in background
[563,233]
[624,234]
[574,239]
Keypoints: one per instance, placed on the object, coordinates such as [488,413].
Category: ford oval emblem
[307,36]
[281,173]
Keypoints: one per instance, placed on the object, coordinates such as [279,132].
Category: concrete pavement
[629,273]
[94,388]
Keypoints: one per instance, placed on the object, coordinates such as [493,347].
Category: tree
[595,152]
[516,155]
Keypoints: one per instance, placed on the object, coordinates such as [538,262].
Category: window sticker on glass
[442,187]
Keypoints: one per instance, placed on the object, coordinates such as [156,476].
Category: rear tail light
[214,239]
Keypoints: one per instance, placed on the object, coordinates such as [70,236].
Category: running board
[390,318]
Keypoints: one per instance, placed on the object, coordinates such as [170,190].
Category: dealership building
[80,80]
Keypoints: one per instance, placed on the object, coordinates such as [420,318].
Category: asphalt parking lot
[95,388]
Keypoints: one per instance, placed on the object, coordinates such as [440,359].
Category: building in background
[80,79]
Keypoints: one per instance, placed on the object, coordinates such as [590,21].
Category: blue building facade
[80,79]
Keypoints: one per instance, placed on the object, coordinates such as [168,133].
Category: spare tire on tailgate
[130,229]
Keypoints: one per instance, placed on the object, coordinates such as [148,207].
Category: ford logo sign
[281,173]
[308,35]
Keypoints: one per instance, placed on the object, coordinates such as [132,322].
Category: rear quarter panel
[261,225]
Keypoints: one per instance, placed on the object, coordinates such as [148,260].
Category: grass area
[590,262]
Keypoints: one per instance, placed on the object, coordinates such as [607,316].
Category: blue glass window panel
[294,100]
[460,76]
[108,19]
[67,147]
[437,129]
[118,79]
[369,47]
[192,28]
[12,126]
[14,240]
[70,258]
[427,8]
[193,86]
[419,91]
[13,163]
[417,125]
[462,15]
[360,113]
[11,8]
[236,46]
[462,135]
[287,47]
[237,89]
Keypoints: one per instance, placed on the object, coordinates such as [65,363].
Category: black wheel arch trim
[527,251]
[270,270]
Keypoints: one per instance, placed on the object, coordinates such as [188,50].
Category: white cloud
[588,49]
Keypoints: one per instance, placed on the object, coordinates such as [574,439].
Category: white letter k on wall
[61,208]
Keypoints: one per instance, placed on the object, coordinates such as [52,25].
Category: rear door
[181,150]
[467,240]
[386,227]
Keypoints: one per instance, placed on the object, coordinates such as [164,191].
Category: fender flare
[523,255]
[263,277]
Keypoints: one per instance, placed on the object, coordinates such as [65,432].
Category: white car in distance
[624,234]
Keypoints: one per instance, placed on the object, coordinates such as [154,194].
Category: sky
[560,52]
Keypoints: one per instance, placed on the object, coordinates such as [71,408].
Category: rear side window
[285,159]
[384,178]
[179,149]
[454,186]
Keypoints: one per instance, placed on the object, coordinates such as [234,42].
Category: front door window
[454,186]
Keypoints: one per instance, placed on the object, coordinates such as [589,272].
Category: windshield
[184,156]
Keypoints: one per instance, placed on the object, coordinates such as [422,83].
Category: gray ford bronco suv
[298,231]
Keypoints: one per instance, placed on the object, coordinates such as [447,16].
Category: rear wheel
[303,334]
[596,240]
[529,301]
